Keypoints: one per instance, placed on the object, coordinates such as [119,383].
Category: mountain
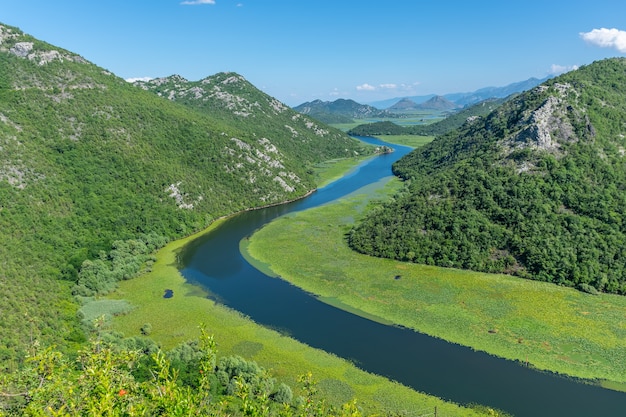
[349,109]
[346,110]
[403,104]
[438,103]
[89,161]
[233,99]
[451,122]
[535,189]
[386,104]
[464,99]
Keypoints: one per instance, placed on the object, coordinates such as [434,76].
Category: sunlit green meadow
[413,141]
[177,319]
[549,327]
[329,171]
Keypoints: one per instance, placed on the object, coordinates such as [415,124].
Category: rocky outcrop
[547,127]
[21,49]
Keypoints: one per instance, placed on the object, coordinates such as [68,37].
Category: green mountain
[438,103]
[229,97]
[451,122]
[535,189]
[340,110]
[87,159]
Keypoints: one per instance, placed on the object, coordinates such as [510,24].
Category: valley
[483,260]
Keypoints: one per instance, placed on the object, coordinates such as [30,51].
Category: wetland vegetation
[552,328]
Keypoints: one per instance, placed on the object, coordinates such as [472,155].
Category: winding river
[427,364]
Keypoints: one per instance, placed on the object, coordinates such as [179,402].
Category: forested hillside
[229,97]
[93,169]
[537,188]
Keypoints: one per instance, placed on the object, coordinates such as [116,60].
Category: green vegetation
[552,328]
[105,380]
[412,141]
[535,189]
[95,174]
[341,111]
[90,162]
[329,171]
[189,380]
[449,123]
[174,321]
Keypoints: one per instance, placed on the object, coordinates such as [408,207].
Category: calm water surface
[424,363]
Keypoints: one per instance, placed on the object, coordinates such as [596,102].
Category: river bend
[427,364]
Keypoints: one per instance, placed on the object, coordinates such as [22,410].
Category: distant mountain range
[463,99]
[340,111]
[346,110]
[449,123]
[434,103]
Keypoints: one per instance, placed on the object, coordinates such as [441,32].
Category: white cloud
[556,69]
[606,38]
[365,87]
[196,2]
[132,80]
[402,88]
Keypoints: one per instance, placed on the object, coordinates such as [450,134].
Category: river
[427,364]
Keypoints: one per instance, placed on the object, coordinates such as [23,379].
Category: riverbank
[175,319]
[538,324]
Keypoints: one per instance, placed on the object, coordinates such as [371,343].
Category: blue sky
[301,50]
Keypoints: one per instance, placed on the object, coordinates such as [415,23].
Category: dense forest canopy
[536,188]
[90,164]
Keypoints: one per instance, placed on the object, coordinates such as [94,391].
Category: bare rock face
[547,127]
[537,133]
[21,49]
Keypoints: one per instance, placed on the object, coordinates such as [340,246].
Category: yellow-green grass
[550,327]
[174,320]
[413,141]
[329,171]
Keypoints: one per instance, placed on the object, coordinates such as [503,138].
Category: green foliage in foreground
[535,189]
[107,381]
[553,328]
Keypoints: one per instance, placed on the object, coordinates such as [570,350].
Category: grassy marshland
[175,320]
[550,327]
